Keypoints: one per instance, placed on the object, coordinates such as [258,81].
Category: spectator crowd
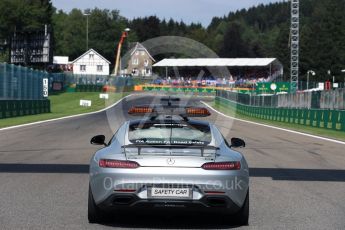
[247,80]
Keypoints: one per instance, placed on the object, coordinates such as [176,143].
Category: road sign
[85,103]
[45,87]
[104,96]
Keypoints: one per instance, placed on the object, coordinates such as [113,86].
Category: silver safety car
[168,160]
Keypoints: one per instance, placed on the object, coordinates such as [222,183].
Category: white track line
[274,127]
[63,118]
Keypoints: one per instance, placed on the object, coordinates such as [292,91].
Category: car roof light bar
[154,111]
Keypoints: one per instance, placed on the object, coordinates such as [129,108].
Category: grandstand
[237,71]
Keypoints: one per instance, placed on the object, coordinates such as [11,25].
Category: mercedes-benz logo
[170,161]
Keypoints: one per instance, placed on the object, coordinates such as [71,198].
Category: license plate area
[172,192]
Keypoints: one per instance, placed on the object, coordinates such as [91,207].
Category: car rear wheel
[242,217]
[94,214]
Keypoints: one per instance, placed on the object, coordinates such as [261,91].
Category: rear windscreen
[169,134]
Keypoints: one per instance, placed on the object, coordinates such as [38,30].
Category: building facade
[140,62]
[91,63]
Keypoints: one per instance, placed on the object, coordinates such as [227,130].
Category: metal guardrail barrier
[320,118]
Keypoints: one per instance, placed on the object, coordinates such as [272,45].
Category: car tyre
[242,216]
[94,214]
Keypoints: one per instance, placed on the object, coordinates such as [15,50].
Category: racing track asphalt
[297,182]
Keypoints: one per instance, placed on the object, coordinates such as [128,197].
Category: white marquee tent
[271,63]
[214,62]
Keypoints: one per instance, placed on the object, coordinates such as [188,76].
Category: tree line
[261,31]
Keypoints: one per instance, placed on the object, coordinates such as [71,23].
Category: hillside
[261,31]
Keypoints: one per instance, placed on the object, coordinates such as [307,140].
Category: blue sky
[187,10]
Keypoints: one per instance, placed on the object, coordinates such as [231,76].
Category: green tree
[146,28]
[281,48]
[105,28]
[233,45]
[327,37]
[23,16]
[70,33]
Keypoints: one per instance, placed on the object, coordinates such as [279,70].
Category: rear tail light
[106,163]
[235,165]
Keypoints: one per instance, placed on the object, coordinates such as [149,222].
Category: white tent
[221,62]
[60,60]
[214,62]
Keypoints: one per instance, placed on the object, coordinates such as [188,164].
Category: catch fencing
[331,99]
[21,91]
[86,79]
[21,83]
[80,79]
[320,118]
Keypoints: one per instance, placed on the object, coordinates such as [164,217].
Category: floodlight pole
[312,73]
[87,30]
[294,32]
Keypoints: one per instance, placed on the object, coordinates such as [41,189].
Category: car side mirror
[98,140]
[237,143]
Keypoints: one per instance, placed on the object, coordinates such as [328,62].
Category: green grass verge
[65,104]
[333,134]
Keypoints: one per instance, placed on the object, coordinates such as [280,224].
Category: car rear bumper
[209,203]
[106,182]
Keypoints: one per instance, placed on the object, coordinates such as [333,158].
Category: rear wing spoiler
[205,150]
